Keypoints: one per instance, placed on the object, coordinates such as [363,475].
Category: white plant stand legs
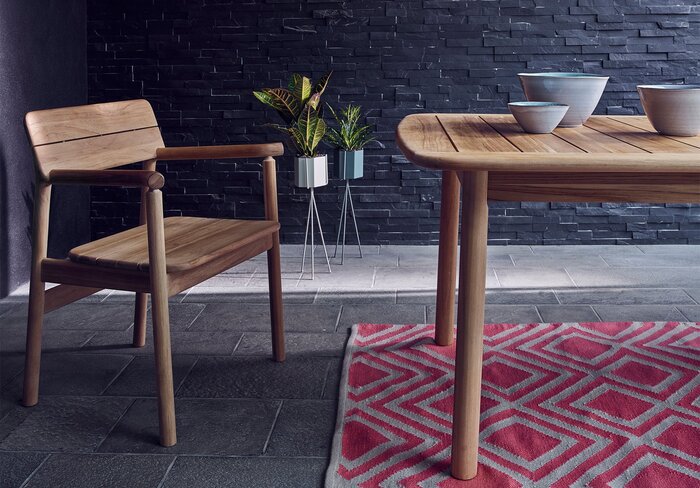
[344,224]
[313,210]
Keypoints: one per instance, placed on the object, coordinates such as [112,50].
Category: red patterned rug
[563,405]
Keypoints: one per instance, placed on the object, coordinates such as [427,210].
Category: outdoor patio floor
[244,420]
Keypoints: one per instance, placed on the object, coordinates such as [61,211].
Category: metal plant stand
[344,224]
[313,209]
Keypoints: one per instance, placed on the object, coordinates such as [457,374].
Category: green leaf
[312,129]
[322,83]
[314,100]
[300,86]
[282,101]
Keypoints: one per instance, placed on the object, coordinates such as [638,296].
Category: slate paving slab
[15,467]
[229,427]
[256,377]
[61,424]
[138,379]
[303,428]
[100,470]
[217,472]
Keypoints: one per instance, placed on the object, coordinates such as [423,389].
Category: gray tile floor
[244,420]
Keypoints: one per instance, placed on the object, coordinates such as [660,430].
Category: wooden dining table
[489,157]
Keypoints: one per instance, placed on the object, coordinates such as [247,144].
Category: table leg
[470,325]
[447,260]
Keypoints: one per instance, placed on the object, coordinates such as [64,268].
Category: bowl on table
[580,91]
[673,110]
[538,117]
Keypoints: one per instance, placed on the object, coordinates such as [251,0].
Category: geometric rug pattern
[563,405]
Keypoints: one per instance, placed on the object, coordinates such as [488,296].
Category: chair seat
[189,242]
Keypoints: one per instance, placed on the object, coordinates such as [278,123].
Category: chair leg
[140,319]
[164,367]
[161,319]
[32,364]
[276,310]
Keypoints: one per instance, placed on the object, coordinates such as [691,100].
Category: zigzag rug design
[563,405]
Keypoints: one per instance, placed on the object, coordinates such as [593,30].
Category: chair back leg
[161,321]
[40,237]
[140,319]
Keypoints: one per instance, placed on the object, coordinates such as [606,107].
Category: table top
[490,142]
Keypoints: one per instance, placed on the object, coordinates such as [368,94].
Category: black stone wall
[197,61]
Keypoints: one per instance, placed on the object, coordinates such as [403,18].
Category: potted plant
[299,105]
[350,139]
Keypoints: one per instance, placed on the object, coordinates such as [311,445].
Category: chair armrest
[220,152]
[132,178]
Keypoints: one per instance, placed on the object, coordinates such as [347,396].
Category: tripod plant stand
[350,166]
[311,173]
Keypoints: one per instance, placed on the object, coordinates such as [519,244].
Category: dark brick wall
[198,60]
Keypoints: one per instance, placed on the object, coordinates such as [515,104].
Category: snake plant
[299,106]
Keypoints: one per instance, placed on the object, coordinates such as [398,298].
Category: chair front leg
[161,320]
[40,236]
[274,270]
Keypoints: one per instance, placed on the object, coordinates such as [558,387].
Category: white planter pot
[311,172]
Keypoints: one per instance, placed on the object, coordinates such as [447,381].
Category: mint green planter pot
[350,164]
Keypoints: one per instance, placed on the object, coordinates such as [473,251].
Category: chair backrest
[98,136]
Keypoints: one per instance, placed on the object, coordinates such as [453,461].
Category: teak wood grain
[619,159]
[161,257]
[604,145]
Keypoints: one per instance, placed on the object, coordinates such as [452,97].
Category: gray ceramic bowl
[673,110]
[538,117]
[580,91]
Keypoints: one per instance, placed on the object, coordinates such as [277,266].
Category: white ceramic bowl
[673,110]
[580,91]
[538,117]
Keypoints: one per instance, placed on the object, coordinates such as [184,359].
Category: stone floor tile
[181,315]
[585,249]
[92,316]
[331,388]
[509,250]
[417,278]
[567,313]
[139,377]
[381,314]
[654,260]
[540,277]
[13,339]
[497,296]
[229,427]
[304,428]
[339,296]
[502,314]
[348,278]
[625,313]
[77,374]
[15,467]
[11,364]
[637,277]
[565,261]
[675,249]
[100,470]
[256,377]
[248,295]
[296,344]
[690,312]
[213,472]
[256,318]
[62,424]
[221,343]
[694,293]
[623,296]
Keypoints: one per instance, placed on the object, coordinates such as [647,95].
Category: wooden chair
[81,145]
